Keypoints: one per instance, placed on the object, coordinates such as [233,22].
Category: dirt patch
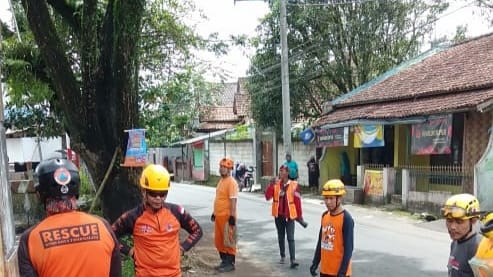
[201,260]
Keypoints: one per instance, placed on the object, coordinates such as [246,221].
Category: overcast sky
[228,18]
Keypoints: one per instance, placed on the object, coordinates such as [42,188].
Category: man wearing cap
[224,216]
[286,208]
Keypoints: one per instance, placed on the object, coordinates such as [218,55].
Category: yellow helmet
[155,177]
[461,206]
[334,187]
[487,225]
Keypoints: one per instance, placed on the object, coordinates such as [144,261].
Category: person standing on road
[461,212]
[155,226]
[313,173]
[67,242]
[286,208]
[224,216]
[292,166]
[482,262]
[335,244]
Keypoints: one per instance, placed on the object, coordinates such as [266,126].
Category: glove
[213,217]
[232,220]
[313,270]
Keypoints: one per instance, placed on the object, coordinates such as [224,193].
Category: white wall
[237,151]
[243,151]
[301,154]
[26,149]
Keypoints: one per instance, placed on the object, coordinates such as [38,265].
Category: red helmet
[284,167]
[225,162]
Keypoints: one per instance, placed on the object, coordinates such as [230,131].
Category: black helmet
[57,178]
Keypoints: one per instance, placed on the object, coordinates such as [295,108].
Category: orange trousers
[219,236]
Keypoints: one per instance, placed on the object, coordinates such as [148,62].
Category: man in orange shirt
[155,226]
[335,244]
[67,242]
[225,213]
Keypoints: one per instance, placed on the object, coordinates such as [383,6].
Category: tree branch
[66,87]
[67,12]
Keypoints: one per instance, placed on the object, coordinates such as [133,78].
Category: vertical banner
[373,182]
[368,136]
[332,137]
[136,153]
[432,137]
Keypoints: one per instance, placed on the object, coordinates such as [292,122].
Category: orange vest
[291,188]
[332,245]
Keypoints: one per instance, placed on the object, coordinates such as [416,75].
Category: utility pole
[286,109]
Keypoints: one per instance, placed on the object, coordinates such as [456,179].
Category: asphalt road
[386,243]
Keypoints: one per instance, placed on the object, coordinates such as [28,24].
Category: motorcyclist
[155,226]
[482,262]
[240,174]
[67,242]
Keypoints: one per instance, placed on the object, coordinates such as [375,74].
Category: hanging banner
[432,137]
[373,184]
[136,149]
[366,136]
[333,137]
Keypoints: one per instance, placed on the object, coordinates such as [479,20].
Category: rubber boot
[229,264]
[223,261]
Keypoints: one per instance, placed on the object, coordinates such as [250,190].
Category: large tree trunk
[98,109]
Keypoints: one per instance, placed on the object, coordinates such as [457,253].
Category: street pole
[286,110]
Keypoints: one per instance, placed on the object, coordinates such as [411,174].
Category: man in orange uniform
[482,262]
[286,208]
[336,237]
[155,226]
[67,242]
[225,213]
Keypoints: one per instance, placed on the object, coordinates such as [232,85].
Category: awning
[411,120]
[204,137]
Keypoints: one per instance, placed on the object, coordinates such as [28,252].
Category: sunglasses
[155,194]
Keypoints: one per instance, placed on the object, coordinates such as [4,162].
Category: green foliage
[332,50]
[85,184]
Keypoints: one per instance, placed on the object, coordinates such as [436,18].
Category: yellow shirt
[226,189]
[482,263]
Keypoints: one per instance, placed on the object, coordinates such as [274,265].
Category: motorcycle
[248,179]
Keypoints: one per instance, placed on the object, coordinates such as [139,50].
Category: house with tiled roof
[231,108]
[432,117]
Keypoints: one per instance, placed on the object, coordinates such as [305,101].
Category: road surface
[386,244]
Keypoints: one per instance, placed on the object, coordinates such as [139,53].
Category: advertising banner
[432,137]
[136,153]
[333,137]
[373,184]
[368,136]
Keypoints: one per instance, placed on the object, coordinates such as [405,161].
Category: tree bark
[99,108]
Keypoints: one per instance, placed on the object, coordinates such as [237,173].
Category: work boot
[283,260]
[223,262]
[226,268]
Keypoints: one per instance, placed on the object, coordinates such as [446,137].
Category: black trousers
[285,228]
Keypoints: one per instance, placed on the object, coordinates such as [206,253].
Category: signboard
[307,136]
[333,137]
[373,184]
[366,136]
[136,149]
[432,137]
